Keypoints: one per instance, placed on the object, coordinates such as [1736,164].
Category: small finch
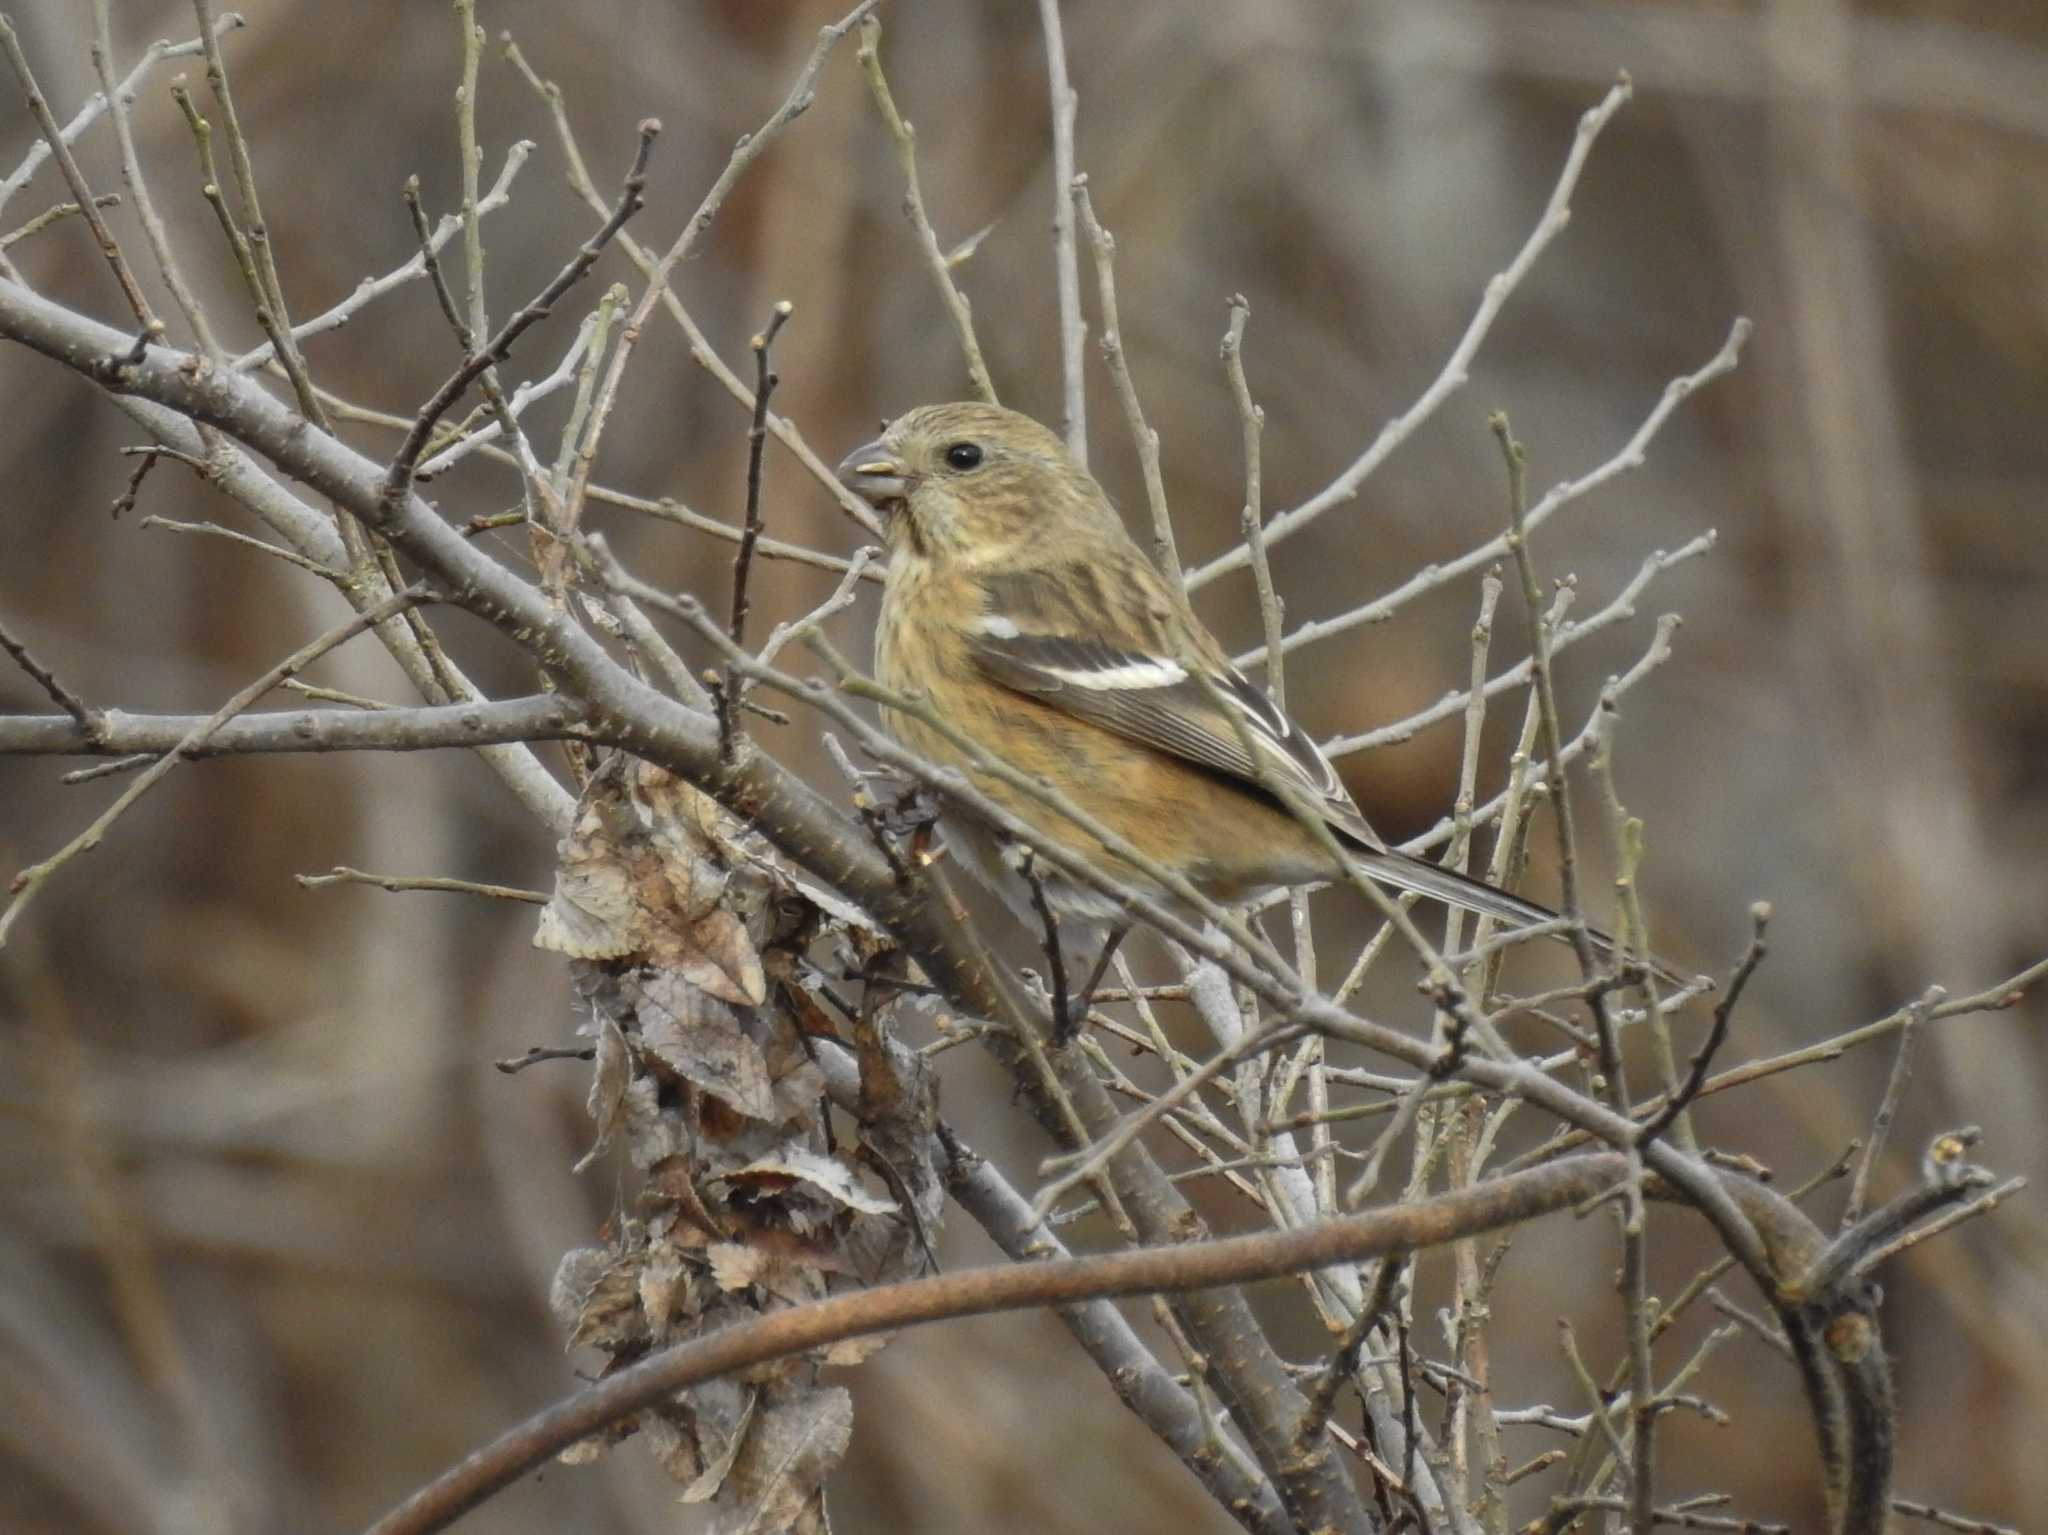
[1019,608]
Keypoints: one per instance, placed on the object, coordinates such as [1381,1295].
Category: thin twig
[1540,776]
[1614,1085]
[88,206]
[1949,1521]
[398,478]
[471,156]
[1553,746]
[56,213]
[655,269]
[423,231]
[276,551]
[1677,1516]
[765,380]
[1066,267]
[97,105]
[512,1065]
[958,310]
[25,884]
[268,287]
[1565,633]
[1164,552]
[841,599]
[1080,1167]
[372,288]
[573,368]
[1556,214]
[749,148]
[1996,998]
[1989,1200]
[333,695]
[275,323]
[1676,1102]
[1632,455]
[342,875]
[138,187]
[1888,1106]
[112,769]
[62,696]
[1064,1023]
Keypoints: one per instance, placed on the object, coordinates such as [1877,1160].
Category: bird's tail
[1404,872]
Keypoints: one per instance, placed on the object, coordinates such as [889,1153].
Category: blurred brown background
[275,1238]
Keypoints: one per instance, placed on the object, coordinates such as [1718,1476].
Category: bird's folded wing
[1142,692]
[1058,636]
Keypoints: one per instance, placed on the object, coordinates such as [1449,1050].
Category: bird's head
[968,480]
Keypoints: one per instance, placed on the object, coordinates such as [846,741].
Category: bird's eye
[963,456]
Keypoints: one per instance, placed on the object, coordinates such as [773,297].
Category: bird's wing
[1111,643]
[1050,634]
[1106,641]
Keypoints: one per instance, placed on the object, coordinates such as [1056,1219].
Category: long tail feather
[1404,872]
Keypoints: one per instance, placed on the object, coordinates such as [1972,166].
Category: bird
[1019,609]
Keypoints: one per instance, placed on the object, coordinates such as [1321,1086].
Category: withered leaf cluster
[690,949]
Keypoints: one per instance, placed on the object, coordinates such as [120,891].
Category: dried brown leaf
[632,882]
[701,1041]
[716,1470]
[608,1081]
[794,1445]
[664,1287]
[734,1266]
[828,1175]
[852,1351]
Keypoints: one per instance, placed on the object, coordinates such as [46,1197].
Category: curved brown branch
[973,1292]
[1842,1354]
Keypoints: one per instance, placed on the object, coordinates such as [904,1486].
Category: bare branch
[744,154]
[88,207]
[958,310]
[1066,268]
[1564,635]
[701,352]
[1164,554]
[87,719]
[96,106]
[138,186]
[26,883]
[399,476]
[1556,214]
[1888,1106]
[1696,1073]
[1192,1266]
[373,288]
[765,381]
[342,875]
[544,717]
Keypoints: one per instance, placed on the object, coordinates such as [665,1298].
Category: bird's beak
[875,474]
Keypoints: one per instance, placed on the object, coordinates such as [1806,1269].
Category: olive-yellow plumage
[1020,608]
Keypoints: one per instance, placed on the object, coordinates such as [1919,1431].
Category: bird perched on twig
[1018,607]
